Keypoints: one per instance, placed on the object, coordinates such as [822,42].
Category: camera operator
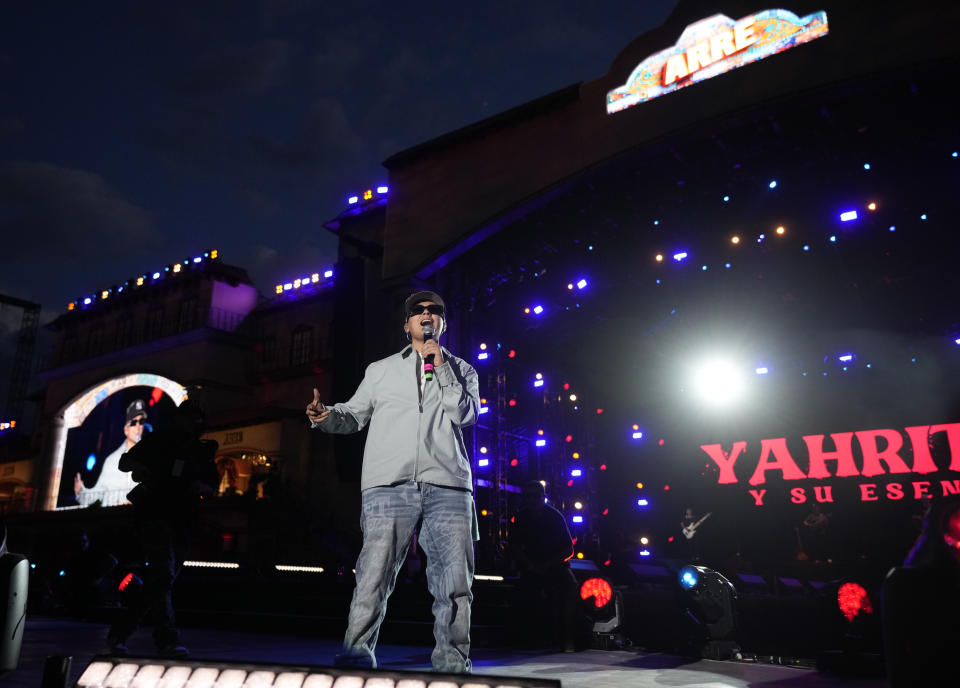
[174,470]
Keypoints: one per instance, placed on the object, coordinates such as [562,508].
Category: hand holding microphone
[432,354]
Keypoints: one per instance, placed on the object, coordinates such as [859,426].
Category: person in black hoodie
[174,470]
[921,603]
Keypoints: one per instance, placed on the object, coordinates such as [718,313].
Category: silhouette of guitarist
[688,526]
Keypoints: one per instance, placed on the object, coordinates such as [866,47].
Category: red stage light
[599,411]
[666,487]
[566,385]
[606,563]
[569,483]
[598,589]
[852,599]
[512,402]
[511,353]
[670,539]
[568,438]
[660,442]
[605,512]
[513,462]
[603,467]
[125,582]
[156,395]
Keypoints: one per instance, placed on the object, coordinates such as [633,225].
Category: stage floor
[590,669]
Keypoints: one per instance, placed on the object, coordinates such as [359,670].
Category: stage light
[727,265]
[105,294]
[541,443]
[573,397]
[761,238]
[197,259]
[781,230]
[718,382]
[703,267]
[177,268]
[576,473]
[278,288]
[600,590]
[956,341]
[288,286]
[582,284]
[644,553]
[512,402]
[368,194]
[726,198]
[483,450]
[762,370]
[511,354]
[296,284]
[140,281]
[866,166]
[538,309]
[806,247]
[734,239]
[483,463]
[483,512]
[577,519]
[538,383]
[643,502]
[91,462]
[853,600]
[845,358]
[871,206]
[848,215]
[953,154]
[772,184]
[214,254]
[679,256]
[637,435]
[603,467]
[578,505]
[483,356]
[923,217]
[383,189]
[644,540]
[833,238]
[297,568]
[483,346]
[892,228]
[514,462]
[540,431]
[526,311]
[570,286]
[327,274]
[659,258]
[484,409]
[688,577]
[212,564]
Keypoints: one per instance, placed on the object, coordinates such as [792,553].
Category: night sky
[134,134]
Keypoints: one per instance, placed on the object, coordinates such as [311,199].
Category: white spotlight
[718,383]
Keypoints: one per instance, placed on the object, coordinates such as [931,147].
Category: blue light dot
[773,184]
[806,247]
[703,267]
[726,198]
[62,572]
[658,281]
[727,265]
[833,238]
[923,217]
[656,222]
[913,360]
[91,462]
[590,248]
[953,154]
[869,365]
[866,166]
[804,373]
[893,228]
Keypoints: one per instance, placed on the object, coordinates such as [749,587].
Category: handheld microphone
[428,361]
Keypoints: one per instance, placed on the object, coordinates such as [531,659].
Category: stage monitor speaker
[146,672]
[14,581]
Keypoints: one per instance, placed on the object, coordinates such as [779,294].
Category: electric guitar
[691,530]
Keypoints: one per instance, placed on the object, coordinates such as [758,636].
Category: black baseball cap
[414,299]
[136,408]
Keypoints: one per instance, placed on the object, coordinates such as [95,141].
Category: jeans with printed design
[390,517]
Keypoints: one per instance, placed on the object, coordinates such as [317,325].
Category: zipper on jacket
[416,375]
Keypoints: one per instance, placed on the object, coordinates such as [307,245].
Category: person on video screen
[113,485]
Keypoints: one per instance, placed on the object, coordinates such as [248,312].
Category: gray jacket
[412,436]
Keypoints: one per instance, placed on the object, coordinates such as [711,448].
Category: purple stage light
[679,256]
[577,519]
[582,284]
[383,189]
[643,502]
[772,184]
[848,215]
[763,370]
[538,309]
[576,473]
[483,356]
[541,442]
[483,462]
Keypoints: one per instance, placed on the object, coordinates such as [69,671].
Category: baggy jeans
[389,518]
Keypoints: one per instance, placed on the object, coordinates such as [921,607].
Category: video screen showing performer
[91,463]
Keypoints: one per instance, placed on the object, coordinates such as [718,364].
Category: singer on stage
[415,474]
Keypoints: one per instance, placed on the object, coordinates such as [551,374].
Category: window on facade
[95,341]
[269,352]
[124,332]
[154,325]
[188,314]
[301,345]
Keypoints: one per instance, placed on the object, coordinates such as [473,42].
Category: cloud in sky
[50,210]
